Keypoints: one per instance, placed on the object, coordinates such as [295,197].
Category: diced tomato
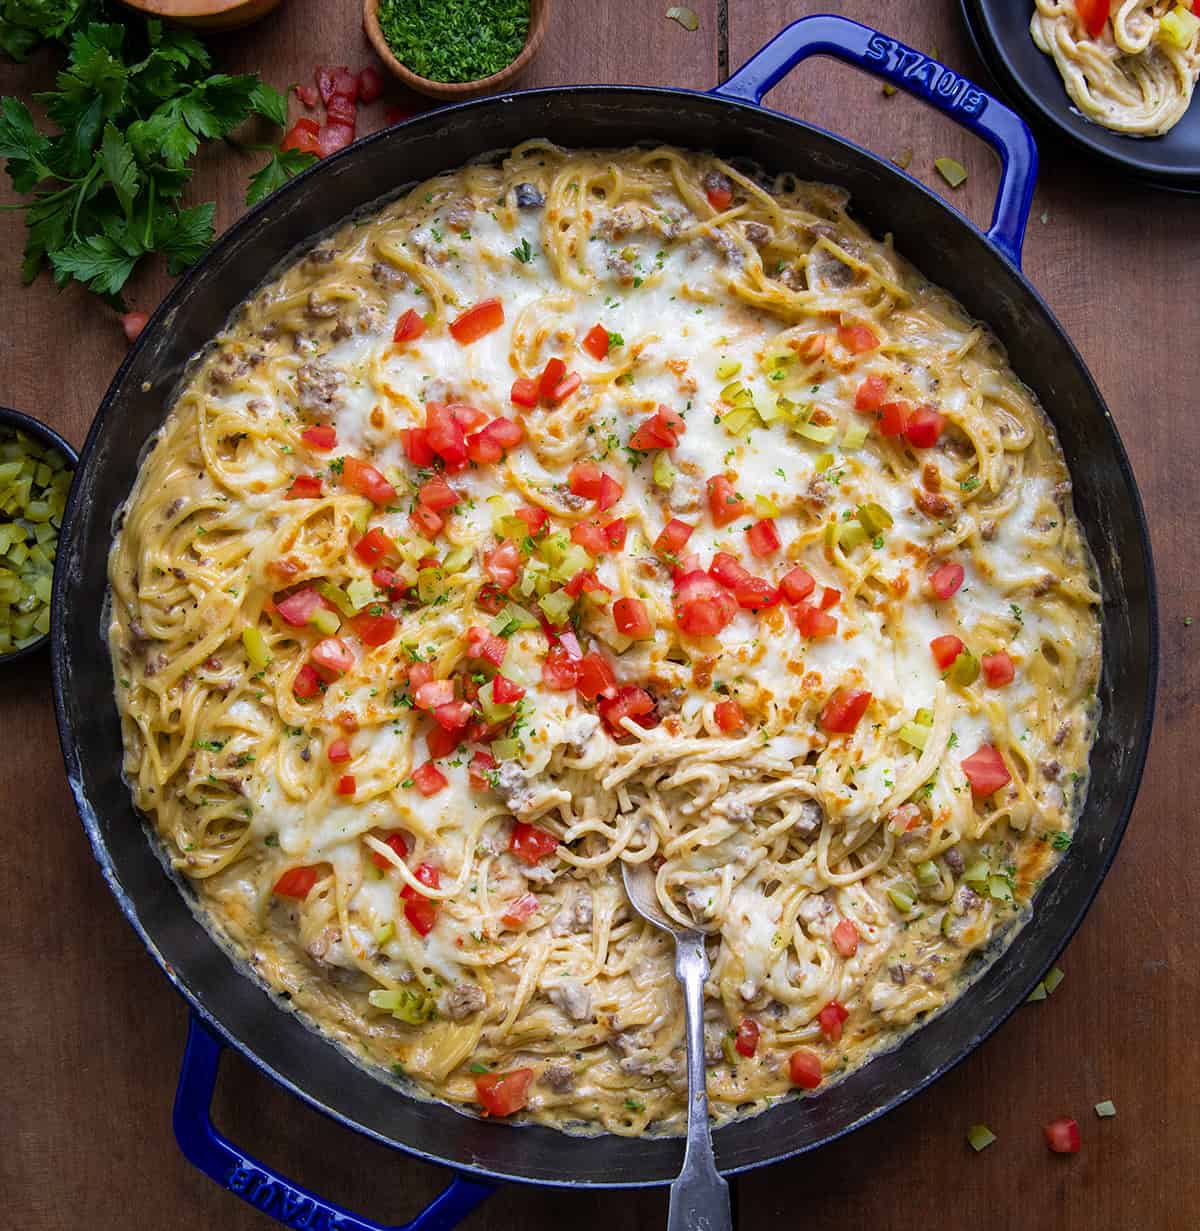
[946,579]
[319,436]
[751,592]
[416,446]
[306,684]
[566,387]
[493,441]
[302,136]
[418,674]
[308,95]
[560,671]
[367,481]
[729,716]
[426,522]
[845,938]
[481,764]
[477,321]
[409,326]
[594,677]
[324,80]
[998,669]
[341,110]
[334,137]
[893,418]
[857,338]
[630,702]
[813,622]
[387,580]
[905,818]
[445,435]
[296,882]
[615,531]
[595,342]
[435,493]
[505,692]
[428,779]
[945,650]
[500,1094]
[534,517]
[441,743]
[531,844]
[347,784]
[830,598]
[524,392]
[305,487]
[332,654]
[673,538]
[1062,1135]
[763,538]
[1094,15]
[374,545]
[844,709]
[796,585]
[804,1068]
[469,418]
[519,910]
[430,695]
[724,503]
[370,84]
[343,84]
[702,605]
[489,599]
[590,536]
[397,843]
[420,911]
[374,629]
[453,716]
[719,197]
[551,377]
[661,431]
[745,1042]
[870,394]
[298,608]
[503,563]
[585,582]
[486,646]
[586,479]
[986,771]
[632,619]
[133,323]
[924,427]
[831,1018]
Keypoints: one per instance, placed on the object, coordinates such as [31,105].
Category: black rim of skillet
[489,1168]
[48,436]
[1031,80]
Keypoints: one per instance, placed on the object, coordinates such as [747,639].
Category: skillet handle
[922,76]
[263,1187]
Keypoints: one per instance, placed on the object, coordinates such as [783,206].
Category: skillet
[981,270]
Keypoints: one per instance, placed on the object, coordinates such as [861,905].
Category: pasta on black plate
[581,507]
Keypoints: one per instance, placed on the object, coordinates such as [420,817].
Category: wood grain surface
[91,1034]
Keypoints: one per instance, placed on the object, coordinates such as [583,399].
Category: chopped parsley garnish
[523,252]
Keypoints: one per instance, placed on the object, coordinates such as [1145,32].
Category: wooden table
[90,1034]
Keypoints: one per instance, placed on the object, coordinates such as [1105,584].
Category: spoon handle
[699,1197]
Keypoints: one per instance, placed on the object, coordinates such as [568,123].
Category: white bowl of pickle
[36,468]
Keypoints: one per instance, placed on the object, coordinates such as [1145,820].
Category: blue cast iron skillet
[982,270]
[1000,30]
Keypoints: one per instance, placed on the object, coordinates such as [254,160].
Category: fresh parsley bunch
[133,104]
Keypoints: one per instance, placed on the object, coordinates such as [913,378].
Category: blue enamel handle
[919,74]
[266,1189]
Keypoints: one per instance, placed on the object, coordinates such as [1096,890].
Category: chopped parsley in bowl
[455,41]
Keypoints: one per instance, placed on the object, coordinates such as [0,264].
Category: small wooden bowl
[451,91]
[206,14]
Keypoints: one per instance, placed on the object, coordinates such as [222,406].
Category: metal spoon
[699,1196]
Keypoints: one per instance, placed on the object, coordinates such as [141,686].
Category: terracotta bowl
[539,13]
[206,14]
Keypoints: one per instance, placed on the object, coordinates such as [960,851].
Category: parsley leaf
[276,173]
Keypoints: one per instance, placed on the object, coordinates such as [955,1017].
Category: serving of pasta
[1130,65]
[581,507]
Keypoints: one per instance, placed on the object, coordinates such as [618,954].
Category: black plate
[1000,29]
